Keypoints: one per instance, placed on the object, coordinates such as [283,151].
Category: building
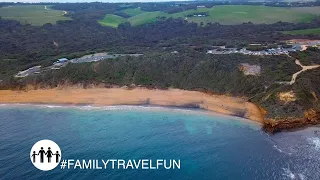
[62,60]
[297,47]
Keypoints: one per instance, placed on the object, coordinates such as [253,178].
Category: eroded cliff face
[311,117]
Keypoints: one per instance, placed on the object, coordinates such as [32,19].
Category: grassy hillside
[147,17]
[256,14]
[143,18]
[310,10]
[133,11]
[112,20]
[303,31]
[231,14]
[32,14]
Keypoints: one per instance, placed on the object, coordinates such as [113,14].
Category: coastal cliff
[311,117]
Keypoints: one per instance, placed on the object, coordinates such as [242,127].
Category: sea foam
[315,141]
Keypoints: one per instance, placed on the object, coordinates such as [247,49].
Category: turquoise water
[208,146]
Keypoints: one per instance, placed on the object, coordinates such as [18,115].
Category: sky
[64,1]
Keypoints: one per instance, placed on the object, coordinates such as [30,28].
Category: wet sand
[138,96]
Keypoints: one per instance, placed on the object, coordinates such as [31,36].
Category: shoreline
[192,110]
[171,98]
[174,98]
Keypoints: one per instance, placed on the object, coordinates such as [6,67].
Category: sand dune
[120,96]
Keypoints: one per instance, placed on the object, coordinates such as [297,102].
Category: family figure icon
[43,153]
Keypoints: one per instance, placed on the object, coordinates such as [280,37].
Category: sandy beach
[138,96]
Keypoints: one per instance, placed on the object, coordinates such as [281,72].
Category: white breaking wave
[52,106]
[315,141]
[291,175]
[130,107]
[301,176]
[154,108]
[288,173]
[276,147]
[107,108]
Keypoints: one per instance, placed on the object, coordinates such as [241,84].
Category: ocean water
[209,146]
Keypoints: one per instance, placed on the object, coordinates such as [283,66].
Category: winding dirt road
[304,68]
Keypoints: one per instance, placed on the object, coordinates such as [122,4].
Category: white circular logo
[45,155]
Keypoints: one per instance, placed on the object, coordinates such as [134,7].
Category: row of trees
[26,45]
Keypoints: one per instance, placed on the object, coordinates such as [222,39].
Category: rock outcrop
[311,117]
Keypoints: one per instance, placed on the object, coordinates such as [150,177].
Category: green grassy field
[147,17]
[32,14]
[112,20]
[143,18]
[256,14]
[231,14]
[303,31]
[133,11]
